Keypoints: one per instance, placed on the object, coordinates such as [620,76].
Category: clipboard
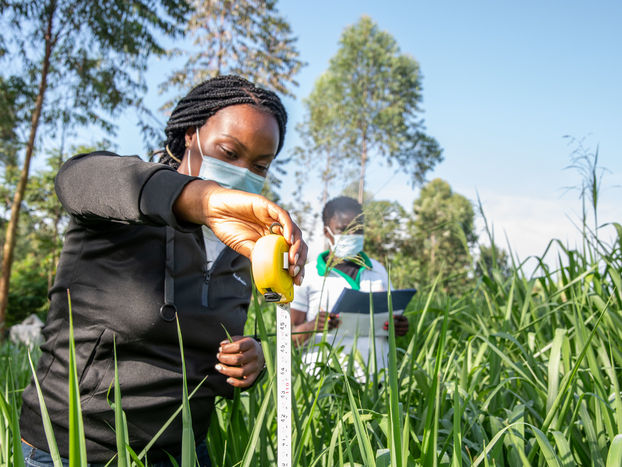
[353,309]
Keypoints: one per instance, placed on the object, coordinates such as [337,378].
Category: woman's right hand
[239,219]
[322,320]
[303,329]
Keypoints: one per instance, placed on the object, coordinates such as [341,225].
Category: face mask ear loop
[333,243]
[188,156]
[199,143]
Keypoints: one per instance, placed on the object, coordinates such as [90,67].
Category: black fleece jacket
[114,264]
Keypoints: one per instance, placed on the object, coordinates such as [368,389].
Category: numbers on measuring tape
[284,403]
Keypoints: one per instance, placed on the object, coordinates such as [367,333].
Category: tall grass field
[525,369]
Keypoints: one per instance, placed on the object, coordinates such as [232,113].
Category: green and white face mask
[228,175]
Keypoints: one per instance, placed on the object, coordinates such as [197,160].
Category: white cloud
[530,223]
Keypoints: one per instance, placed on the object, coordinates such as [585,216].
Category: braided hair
[340,204]
[208,98]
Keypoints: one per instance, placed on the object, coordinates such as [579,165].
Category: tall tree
[442,234]
[244,37]
[90,56]
[320,149]
[374,93]
[248,38]
[385,223]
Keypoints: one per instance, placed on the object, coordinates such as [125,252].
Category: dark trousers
[34,457]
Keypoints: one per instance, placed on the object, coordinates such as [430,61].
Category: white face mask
[346,245]
[227,175]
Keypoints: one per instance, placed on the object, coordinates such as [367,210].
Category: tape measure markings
[283,385]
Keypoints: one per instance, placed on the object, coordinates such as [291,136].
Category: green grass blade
[430,432]
[570,377]
[258,424]
[614,457]
[367,452]
[77,441]
[456,458]
[553,367]
[120,423]
[143,453]
[565,453]
[45,417]
[9,410]
[394,409]
[489,447]
[546,448]
[188,449]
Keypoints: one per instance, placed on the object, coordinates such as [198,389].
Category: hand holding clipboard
[353,309]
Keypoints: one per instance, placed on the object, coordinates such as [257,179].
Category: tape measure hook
[273,225]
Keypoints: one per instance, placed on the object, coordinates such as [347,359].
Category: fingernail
[230,380]
[218,366]
[219,350]
[296,258]
[386,323]
[296,270]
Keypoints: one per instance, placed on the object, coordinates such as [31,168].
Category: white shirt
[213,246]
[320,291]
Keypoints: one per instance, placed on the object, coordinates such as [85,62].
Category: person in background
[344,265]
[150,244]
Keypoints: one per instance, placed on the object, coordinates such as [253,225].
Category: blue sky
[503,82]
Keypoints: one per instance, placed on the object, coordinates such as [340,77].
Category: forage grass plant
[525,369]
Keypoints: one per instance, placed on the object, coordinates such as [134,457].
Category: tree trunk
[54,258]
[326,177]
[57,217]
[363,166]
[11,231]
[324,200]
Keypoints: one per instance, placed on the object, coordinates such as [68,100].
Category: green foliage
[28,289]
[585,161]
[320,151]
[97,53]
[13,99]
[367,105]
[41,228]
[79,62]
[384,229]
[493,260]
[247,38]
[518,371]
[440,237]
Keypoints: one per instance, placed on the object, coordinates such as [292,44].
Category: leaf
[188,449]
[45,417]
[614,457]
[77,441]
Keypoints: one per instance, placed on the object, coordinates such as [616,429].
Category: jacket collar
[323,268]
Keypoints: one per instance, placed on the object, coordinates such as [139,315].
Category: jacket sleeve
[105,187]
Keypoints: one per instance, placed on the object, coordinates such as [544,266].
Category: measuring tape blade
[269,263]
[284,385]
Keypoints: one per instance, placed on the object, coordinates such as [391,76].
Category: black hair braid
[340,204]
[209,97]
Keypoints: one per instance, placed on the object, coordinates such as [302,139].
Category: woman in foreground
[149,243]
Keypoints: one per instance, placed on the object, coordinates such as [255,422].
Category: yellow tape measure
[270,262]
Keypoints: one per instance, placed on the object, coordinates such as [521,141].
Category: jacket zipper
[207,274]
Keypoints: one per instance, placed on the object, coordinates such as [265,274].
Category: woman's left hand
[242,360]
